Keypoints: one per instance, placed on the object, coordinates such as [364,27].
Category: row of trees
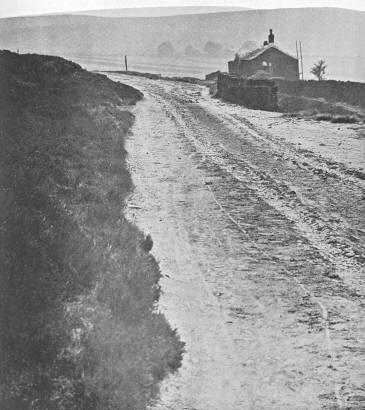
[211,48]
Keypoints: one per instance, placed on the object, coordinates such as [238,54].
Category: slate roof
[251,55]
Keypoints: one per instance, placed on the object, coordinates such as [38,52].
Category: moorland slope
[78,287]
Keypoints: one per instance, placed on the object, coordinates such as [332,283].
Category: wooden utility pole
[126,63]
[296,47]
[301,59]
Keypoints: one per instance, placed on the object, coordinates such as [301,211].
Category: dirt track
[261,244]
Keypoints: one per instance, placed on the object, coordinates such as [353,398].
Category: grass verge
[318,109]
[78,292]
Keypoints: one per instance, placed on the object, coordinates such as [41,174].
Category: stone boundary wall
[256,94]
[348,92]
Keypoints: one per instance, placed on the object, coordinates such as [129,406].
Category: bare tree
[319,70]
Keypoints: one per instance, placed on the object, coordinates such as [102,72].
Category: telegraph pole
[126,63]
[296,47]
[301,59]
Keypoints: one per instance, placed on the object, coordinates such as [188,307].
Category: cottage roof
[251,55]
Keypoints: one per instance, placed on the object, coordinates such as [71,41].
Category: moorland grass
[78,293]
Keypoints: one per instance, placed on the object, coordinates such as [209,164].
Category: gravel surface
[258,224]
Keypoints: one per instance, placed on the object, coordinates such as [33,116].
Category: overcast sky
[19,7]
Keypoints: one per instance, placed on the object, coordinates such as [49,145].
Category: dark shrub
[323,117]
[345,119]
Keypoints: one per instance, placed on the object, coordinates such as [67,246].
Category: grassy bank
[77,290]
[319,109]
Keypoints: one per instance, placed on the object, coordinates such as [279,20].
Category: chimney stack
[271,37]
[266,43]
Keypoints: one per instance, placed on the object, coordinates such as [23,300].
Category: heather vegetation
[319,109]
[78,288]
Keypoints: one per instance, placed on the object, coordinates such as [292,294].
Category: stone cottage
[267,59]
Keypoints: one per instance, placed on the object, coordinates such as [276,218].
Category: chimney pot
[271,37]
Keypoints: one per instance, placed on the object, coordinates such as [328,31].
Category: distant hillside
[317,28]
[157,11]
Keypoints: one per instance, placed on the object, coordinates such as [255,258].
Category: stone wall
[332,91]
[256,94]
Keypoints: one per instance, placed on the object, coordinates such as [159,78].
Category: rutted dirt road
[261,243]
